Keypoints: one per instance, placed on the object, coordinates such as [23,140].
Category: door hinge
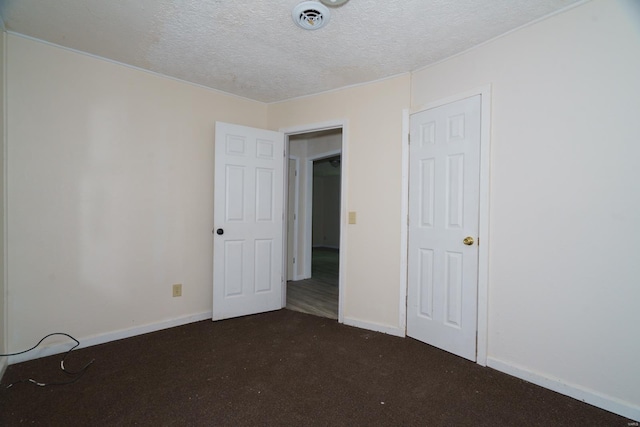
[409,138]
[294,260]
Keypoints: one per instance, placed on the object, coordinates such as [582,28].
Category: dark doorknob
[220,231]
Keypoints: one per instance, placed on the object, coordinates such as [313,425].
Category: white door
[248,221]
[444,168]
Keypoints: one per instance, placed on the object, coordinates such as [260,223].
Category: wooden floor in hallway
[319,294]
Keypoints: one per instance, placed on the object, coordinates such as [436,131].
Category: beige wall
[372,137]
[110,193]
[565,195]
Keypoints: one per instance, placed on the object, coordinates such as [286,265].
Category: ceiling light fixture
[333,3]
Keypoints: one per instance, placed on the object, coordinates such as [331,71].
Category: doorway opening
[314,222]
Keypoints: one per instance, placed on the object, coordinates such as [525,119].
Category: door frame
[296,214]
[483,220]
[313,127]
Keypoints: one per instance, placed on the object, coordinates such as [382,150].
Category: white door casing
[344,179]
[249,214]
[444,174]
[292,219]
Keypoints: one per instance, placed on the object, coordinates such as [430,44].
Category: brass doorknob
[468,241]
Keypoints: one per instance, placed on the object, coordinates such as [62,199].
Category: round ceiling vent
[310,15]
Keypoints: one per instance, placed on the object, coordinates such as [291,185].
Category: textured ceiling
[252,48]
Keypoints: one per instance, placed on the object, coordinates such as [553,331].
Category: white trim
[341,88]
[110,336]
[482,90]
[483,223]
[404,223]
[314,127]
[377,327]
[355,85]
[133,67]
[344,177]
[592,397]
[484,209]
[296,214]
[493,39]
[155,73]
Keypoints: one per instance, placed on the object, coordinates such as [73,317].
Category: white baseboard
[608,403]
[108,337]
[390,330]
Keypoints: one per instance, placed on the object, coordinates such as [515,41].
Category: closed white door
[248,221]
[444,168]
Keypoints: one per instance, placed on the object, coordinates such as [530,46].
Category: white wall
[565,198]
[110,193]
[373,113]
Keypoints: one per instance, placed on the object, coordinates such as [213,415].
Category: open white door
[248,220]
[444,174]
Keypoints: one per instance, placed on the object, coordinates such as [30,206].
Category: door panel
[248,211]
[444,165]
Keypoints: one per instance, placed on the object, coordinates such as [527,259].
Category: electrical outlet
[177,290]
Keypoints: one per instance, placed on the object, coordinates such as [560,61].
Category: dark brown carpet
[281,368]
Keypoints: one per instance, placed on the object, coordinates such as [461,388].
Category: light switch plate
[177,290]
[352,217]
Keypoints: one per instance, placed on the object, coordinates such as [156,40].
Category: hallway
[319,294]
